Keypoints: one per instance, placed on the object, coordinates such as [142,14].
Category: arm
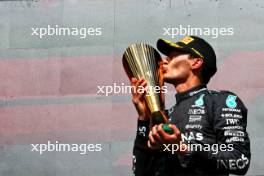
[147,156]
[141,152]
[230,122]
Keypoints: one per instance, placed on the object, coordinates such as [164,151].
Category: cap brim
[167,46]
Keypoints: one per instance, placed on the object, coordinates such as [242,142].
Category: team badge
[231,101]
[200,101]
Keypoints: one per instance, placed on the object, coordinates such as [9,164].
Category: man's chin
[168,80]
[172,81]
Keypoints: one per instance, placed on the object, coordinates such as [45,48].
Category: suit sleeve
[230,123]
[143,156]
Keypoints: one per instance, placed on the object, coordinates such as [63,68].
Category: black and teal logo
[231,101]
[200,101]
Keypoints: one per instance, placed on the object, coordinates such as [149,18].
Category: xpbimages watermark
[126,89]
[56,30]
[214,148]
[62,147]
[215,32]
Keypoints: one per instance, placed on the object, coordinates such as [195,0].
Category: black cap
[196,46]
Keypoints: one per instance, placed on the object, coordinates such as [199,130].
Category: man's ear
[197,63]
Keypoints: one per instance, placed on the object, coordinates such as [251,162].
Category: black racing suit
[212,123]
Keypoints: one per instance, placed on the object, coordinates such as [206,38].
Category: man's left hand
[158,137]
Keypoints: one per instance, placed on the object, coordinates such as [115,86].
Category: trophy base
[158,117]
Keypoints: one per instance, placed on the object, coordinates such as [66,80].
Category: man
[209,127]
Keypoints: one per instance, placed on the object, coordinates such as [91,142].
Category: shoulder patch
[227,97]
[231,101]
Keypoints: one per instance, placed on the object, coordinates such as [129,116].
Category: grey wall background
[48,87]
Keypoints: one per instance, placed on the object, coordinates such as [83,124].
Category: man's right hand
[138,97]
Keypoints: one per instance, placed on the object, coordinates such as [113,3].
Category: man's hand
[138,98]
[158,137]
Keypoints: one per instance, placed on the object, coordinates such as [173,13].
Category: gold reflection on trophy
[141,61]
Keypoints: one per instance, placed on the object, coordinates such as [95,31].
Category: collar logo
[200,101]
[231,101]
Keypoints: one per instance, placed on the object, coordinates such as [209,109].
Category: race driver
[209,134]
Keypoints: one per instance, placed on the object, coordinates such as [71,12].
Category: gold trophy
[142,61]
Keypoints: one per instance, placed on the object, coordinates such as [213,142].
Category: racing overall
[212,124]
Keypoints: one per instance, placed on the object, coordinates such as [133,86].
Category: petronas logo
[231,101]
[200,101]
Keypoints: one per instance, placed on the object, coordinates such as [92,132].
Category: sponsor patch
[231,101]
[200,101]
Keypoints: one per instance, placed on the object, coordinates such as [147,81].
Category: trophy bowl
[142,61]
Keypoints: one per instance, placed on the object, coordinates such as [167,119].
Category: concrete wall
[48,86]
